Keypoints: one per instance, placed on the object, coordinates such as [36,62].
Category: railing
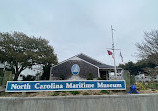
[115,78]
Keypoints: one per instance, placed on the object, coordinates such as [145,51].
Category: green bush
[104,91]
[62,77]
[97,93]
[156,86]
[140,86]
[100,79]
[74,92]
[147,85]
[63,94]
[64,91]
[56,94]
[153,85]
[85,93]
[90,76]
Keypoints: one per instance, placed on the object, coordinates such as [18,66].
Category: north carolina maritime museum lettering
[35,86]
[79,85]
[16,86]
[102,85]
[51,86]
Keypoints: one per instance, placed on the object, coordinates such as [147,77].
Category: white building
[34,71]
[143,78]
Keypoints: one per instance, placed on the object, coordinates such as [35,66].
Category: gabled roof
[93,61]
[89,60]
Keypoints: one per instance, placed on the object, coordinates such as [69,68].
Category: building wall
[65,69]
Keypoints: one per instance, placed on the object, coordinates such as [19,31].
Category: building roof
[105,66]
[89,60]
[94,61]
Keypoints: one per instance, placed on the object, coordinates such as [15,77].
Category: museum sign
[36,86]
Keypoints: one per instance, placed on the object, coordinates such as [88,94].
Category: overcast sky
[83,26]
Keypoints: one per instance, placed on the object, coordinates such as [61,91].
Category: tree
[151,71]
[46,72]
[22,51]
[140,66]
[131,67]
[149,48]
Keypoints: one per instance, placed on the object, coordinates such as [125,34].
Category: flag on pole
[109,52]
[121,56]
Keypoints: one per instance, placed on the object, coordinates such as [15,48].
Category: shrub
[156,86]
[62,77]
[140,86]
[85,93]
[74,92]
[153,85]
[97,93]
[153,90]
[100,79]
[63,94]
[90,76]
[64,91]
[104,91]
[56,94]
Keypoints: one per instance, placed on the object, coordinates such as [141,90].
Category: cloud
[73,27]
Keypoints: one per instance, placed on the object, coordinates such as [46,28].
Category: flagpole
[113,48]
